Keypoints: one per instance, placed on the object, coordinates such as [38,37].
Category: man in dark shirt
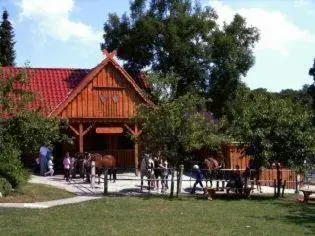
[199,178]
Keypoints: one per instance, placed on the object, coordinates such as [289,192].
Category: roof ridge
[45,68]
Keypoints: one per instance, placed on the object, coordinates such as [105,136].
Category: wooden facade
[103,105]
[235,157]
[107,95]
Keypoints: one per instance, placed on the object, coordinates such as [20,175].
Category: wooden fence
[267,177]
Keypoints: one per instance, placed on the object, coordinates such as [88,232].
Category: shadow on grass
[299,213]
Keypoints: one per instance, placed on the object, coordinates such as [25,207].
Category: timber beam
[81,132]
[136,132]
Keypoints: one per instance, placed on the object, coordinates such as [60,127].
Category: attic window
[103,98]
[115,99]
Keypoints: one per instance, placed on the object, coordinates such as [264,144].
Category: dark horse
[211,168]
[102,162]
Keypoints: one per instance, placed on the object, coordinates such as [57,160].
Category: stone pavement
[126,184]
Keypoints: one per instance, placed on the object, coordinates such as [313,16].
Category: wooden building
[99,103]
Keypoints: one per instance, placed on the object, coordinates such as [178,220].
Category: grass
[36,193]
[159,216]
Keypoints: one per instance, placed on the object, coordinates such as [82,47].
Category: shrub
[11,167]
[5,186]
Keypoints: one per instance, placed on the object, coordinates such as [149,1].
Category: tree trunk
[279,180]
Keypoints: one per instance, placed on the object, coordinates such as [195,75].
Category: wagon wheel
[247,192]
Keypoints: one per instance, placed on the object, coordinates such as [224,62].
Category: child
[50,166]
[66,166]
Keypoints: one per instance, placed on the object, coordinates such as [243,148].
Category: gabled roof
[56,87]
[50,85]
[91,76]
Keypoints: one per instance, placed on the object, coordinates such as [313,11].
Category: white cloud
[302,3]
[53,19]
[276,30]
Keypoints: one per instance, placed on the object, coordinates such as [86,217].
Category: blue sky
[68,33]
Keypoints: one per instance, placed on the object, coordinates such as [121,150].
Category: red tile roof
[50,85]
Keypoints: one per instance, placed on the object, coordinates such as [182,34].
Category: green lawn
[36,193]
[158,216]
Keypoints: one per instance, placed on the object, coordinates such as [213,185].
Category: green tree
[30,130]
[7,52]
[301,95]
[311,89]
[279,129]
[22,132]
[11,167]
[184,38]
[13,97]
[178,127]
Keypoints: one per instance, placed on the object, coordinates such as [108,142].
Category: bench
[307,193]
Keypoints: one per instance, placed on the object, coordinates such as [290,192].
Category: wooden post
[105,182]
[179,180]
[172,184]
[283,187]
[137,134]
[275,187]
[81,144]
[279,180]
[93,174]
[136,157]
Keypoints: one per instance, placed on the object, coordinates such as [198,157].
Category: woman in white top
[66,166]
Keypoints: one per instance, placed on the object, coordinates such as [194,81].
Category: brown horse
[211,166]
[102,162]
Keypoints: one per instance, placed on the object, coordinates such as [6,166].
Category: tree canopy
[274,129]
[183,37]
[7,52]
[177,127]
[22,132]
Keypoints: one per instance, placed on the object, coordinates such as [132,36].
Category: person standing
[198,179]
[66,166]
[157,170]
[43,159]
[165,173]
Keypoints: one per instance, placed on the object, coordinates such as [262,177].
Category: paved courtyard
[126,184]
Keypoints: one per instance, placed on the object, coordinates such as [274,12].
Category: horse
[147,170]
[102,162]
[211,166]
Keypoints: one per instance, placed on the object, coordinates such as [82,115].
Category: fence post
[93,174]
[105,182]
[275,187]
[172,184]
[179,180]
[279,187]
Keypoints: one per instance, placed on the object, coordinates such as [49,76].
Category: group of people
[235,179]
[157,169]
[44,162]
[161,172]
